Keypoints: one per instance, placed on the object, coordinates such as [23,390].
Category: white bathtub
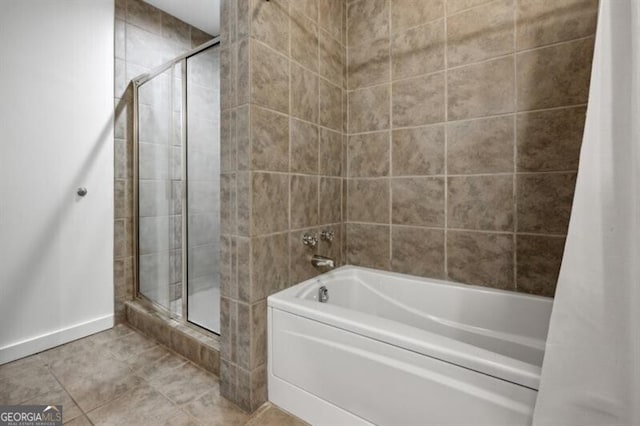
[393,349]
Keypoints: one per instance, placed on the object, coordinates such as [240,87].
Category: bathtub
[393,349]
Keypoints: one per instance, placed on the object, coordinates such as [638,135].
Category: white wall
[56,133]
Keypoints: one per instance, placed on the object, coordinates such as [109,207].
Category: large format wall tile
[544,202]
[368,200]
[270,23]
[304,94]
[367,20]
[368,155]
[304,42]
[481,258]
[555,76]
[270,203]
[417,251]
[538,259]
[550,140]
[330,114]
[368,245]
[418,151]
[480,146]
[410,13]
[369,64]
[304,201]
[419,101]
[546,22]
[482,89]
[269,140]
[418,50]
[418,201]
[480,33]
[269,78]
[304,147]
[369,109]
[481,202]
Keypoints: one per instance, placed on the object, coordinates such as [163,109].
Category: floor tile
[24,380]
[129,346]
[141,405]
[273,416]
[79,421]
[95,379]
[185,383]
[58,397]
[212,409]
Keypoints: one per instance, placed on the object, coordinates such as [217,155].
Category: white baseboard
[55,338]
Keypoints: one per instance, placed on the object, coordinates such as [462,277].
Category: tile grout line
[515,147]
[446,144]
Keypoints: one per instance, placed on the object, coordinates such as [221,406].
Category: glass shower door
[203,189]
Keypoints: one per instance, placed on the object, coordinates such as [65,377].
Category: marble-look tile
[481,89]
[304,201]
[538,259]
[228,383]
[230,75]
[481,258]
[304,147]
[270,23]
[79,421]
[120,9]
[368,155]
[542,22]
[213,409]
[417,251]
[332,59]
[481,202]
[142,404]
[269,76]
[545,201]
[330,200]
[273,416]
[270,267]
[411,13]
[25,380]
[270,203]
[116,332]
[93,378]
[368,245]
[304,42]
[330,16]
[243,138]
[199,37]
[456,6]
[243,16]
[304,94]
[367,20]
[244,196]
[555,76]
[550,140]
[480,146]
[418,201]
[258,328]
[369,63]
[269,140]
[418,151]
[330,106]
[480,33]
[228,145]
[419,50]
[123,199]
[330,153]
[419,101]
[369,109]
[228,204]
[368,200]
[185,383]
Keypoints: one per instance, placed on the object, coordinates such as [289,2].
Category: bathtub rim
[427,343]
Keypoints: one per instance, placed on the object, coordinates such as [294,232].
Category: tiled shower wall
[282,70]
[465,120]
[145,37]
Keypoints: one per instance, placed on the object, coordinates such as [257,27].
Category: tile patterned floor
[120,377]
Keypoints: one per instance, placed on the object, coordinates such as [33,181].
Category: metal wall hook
[82,191]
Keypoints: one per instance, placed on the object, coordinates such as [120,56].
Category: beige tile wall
[465,120]
[145,37]
[283,77]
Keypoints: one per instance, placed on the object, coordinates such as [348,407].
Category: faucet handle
[310,239]
[327,235]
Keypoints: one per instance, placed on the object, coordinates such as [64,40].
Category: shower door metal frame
[137,82]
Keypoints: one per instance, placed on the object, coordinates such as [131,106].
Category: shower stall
[177,187]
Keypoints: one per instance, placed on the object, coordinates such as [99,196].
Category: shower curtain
[591,370]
